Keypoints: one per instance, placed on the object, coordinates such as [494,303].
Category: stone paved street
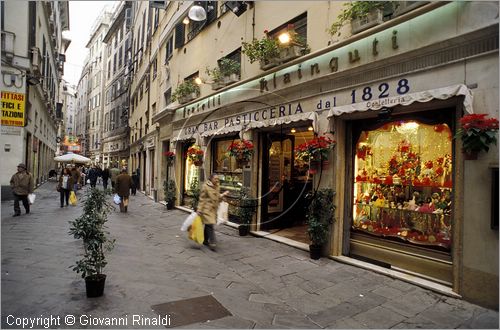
[262,283]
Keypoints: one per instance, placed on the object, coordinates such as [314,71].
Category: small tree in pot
[90,227]
[170,193]
[319,217]
[246,210]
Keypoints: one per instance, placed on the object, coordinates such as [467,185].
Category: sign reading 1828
[12,109]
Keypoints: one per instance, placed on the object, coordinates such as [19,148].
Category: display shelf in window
[403,184]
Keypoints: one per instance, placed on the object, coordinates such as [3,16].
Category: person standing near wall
[65,186]
[22,185]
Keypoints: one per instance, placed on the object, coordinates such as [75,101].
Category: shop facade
[406,198]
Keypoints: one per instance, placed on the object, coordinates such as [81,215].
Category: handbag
[72,198]
[31,198]
[58,188]
[195,233]
[222,213]
[189,221]
[117,199]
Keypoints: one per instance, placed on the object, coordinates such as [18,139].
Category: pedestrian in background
[92,176]
[122,188]
[75,174]
[114,172]
[65,186]
[210,197]
[22,185]
[105,177]
[135,181]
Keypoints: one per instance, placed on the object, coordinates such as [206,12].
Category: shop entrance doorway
[285,183]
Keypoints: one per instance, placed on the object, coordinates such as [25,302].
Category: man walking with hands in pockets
[22,185]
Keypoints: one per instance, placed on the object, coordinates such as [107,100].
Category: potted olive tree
[170,193]
[319,217]
[186,91]
[246,210]
[265,50]
[90,228]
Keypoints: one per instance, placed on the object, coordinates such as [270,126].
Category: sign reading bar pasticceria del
[12,109]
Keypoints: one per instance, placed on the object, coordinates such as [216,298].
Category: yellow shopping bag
[72,198]
[195,232]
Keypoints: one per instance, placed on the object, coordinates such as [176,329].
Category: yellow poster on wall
[12,109]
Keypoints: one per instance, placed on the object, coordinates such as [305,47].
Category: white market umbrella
[72,158]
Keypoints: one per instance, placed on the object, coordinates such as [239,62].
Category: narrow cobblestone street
[262,283]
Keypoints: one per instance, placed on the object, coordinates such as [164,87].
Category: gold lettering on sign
[314,68]
[354,56]
[395,40]
[374,47]
[334,64]
[263,85]
[286,78]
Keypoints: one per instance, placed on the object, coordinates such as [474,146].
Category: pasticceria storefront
[406,198]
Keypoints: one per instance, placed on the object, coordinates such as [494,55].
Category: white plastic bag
[31,198]
[189,221]
[117,199]
[222,213]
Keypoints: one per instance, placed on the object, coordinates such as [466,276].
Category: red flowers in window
[477,132]
[241,150]
[314,150]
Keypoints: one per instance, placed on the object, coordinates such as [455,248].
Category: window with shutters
[179,35]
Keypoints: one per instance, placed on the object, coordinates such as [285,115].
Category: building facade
[81,112]
[33,58]
[95,86]
[390,94]
[118,47]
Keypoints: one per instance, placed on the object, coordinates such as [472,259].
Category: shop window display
[191,178]
[403,183]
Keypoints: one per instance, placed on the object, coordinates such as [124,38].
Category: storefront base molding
[403,276]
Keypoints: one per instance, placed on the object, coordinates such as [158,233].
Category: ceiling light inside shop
[407,128]
[310,128]
[284,38]
[293,130]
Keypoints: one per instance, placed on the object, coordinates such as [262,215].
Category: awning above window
[223,130]
[407,99]
[313,116]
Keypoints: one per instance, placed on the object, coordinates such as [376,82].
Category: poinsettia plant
[242,150]
[314,150]
[195,154]
[170,155]
[477,132]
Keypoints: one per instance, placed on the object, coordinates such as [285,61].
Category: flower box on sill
[187,98]
[224,81]
[268,63]
[375,17]
[289,53]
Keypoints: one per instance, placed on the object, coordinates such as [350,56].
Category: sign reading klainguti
[12,109]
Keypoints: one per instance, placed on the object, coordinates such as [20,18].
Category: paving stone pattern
[262,283]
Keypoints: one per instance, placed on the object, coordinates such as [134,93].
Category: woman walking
[65,185]
[210,198]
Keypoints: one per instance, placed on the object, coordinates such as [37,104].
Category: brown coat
[123,184]
[209,203]
[71,182]
[22,183]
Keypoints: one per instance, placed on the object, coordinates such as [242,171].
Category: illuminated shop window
[403,183]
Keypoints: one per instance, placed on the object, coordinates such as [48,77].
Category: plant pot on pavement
[243,230]
[95,285]
[315,251]
[170,205]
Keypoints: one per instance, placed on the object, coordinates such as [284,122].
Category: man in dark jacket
[105,178]
[22,185]
[92,176]
[122,188]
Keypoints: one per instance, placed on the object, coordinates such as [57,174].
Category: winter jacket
[22,183]
[92,175]
[105,174]
[123,184]
[209,202]
[71,182]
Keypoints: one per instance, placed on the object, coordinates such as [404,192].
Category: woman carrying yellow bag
[72,198]
[195,231]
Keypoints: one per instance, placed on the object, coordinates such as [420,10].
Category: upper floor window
[155,67]
[169,48]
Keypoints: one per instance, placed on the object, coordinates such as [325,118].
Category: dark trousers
[209,234]
[93,183]
[105,183]
[64,194]
[17,208]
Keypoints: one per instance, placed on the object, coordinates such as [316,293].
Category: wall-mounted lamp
[197,13]
[185,20]
[284,38]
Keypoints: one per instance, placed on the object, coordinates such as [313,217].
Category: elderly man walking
[122,188]
[22,185]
